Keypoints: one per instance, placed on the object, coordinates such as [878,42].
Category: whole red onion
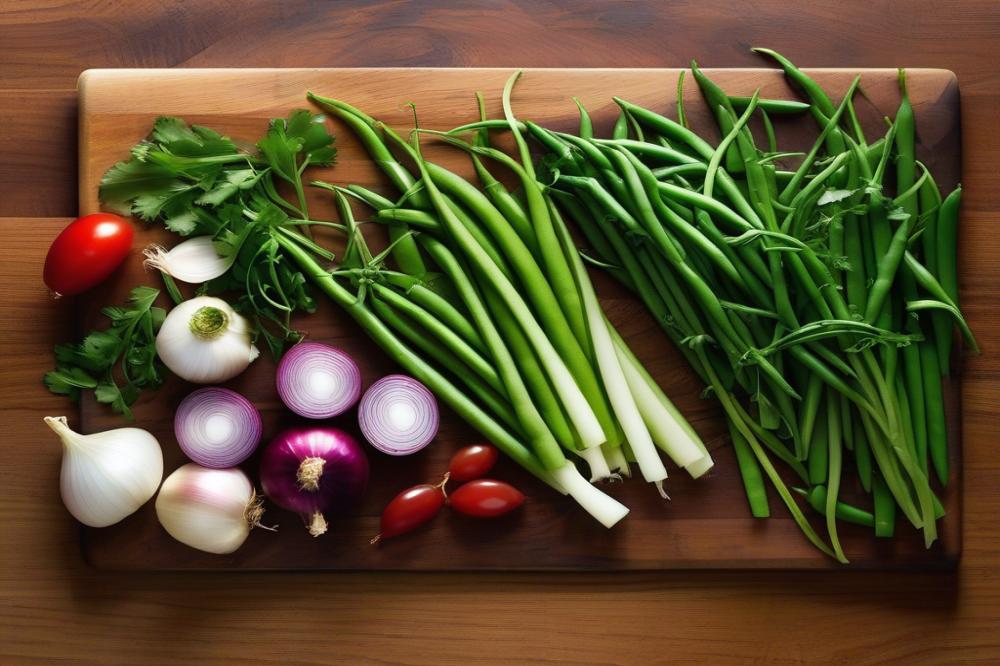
[313,471]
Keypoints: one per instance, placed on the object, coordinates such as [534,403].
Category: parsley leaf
[117,362]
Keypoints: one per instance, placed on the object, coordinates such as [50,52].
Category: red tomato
[472,462]
[410,509]
[87,252]
[486,498]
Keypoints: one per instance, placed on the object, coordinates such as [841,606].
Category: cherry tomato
[410,509]
[486,498]
[86,253]
[472,462]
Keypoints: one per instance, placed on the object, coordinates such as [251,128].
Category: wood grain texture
[707,525]
[53,608]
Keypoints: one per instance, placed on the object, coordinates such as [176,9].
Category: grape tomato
[472,462]
[486,498]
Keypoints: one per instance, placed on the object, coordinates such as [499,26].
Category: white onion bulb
[108,475]
[193,261]
[205,341]
[209,509]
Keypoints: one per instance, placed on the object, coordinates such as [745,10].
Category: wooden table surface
[52,607]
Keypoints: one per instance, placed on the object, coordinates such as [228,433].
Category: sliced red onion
[318,381]
[217,427]
[398,415]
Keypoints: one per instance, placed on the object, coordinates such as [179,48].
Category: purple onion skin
[339,485]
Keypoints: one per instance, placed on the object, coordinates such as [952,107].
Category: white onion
[193,261]
[205,341]
[108,475]
[209,509]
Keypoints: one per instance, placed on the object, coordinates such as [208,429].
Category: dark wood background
[53,607]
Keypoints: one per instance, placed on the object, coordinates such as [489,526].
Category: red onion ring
[398,415]
[217,427]
[318,381]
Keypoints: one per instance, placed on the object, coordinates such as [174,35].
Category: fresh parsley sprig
[118,362]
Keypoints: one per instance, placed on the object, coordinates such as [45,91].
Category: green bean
[753,482]
[885,508]
[721,107]
[891,258]
[620,129]
[828,129]
[834,466]
[930,284]
[937,428]
[946,241]
[909,438]
[808,411]
[775,106]
[492,123]
[722,148]
[852,117]
[862,455]
[819,448]
[709,205]
[676,225]
[816,497]
[772,140]
[586,126]
[668,128]
[681,116]
[821,106]
[729,405]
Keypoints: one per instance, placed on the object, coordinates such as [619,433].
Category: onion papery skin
[314,471]
[206,410]
[398,392]
[212,510]
[318,381]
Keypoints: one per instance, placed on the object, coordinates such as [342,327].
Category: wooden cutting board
[707,523]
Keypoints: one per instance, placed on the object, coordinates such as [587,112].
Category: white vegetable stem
[594,457]
[670,430]
[607,510]
[193,261]
[618,390]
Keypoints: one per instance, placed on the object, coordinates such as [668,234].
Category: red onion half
[217,427]
[398,415]
[313,471]
[318,381]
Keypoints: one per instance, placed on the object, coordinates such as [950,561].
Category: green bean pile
[794,294]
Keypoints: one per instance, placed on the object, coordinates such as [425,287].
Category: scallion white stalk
[594,457]
[606,509]
[670,430]
[619,394]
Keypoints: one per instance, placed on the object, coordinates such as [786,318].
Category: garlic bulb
[209,509]
[205,341]
[108,475]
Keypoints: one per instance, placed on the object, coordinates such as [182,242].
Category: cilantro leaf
[118,362]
